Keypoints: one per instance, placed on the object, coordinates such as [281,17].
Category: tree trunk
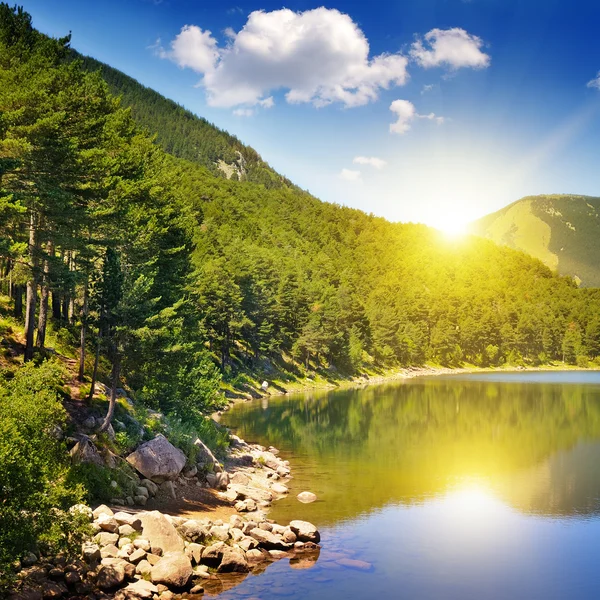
[56,306]
[32,285]
[72,297]
[18,298]
[65,307]
[84,316]
[43,316]
[116,372]
[95,370]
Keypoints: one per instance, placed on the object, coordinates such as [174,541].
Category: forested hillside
[561,230]
[168,272]
[183,134]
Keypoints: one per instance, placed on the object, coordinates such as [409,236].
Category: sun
[452,225]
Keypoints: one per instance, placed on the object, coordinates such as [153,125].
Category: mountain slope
[563,231]
[183,134]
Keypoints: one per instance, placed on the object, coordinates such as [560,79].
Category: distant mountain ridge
[562,230]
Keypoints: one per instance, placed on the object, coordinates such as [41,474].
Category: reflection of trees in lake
[404,443]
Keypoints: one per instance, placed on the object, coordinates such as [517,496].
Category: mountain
[182,133]
[561,230]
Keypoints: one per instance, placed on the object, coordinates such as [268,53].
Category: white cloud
[427,88]
[453,48]
[595,83]
[244,112]
[349,175]
[406,112]
[373,161]
[319,56]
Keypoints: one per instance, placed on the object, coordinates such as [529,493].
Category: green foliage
[34,486]
[96,480]
[183,434]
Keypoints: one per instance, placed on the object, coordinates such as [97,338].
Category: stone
[90,552]
[194,552]
[277,554]
[104,538]
[220,533]
[233,561]
[212,555]
[247,543]
[236,534]
[168,487]
[29,559]
[173,570]
[255,555]
[53,590]
[108,523]
[265,526]
[136,556]
[218,481]
[268,540]
[140,500]
[283,472]
[56,573]
[129,501]
[306,497]
[142,490]
[160,533]
[195,530]
[84,451]
[143,568]
[110,576]
[124,541]
[72,577]
[167,595]
[197,589]
[82,510]
[126,530]
[102,510]
[358,565]
[253,493]
[279,488]
[305,531]
[90,423]
[191,472]
[152,558]
[128,567]
[236,522]
[141,544]
[124,518]
[150,486]
[158,460]
[205,456]
[289,536]
[110,551]
[240,478]
[269,460]
[139,590]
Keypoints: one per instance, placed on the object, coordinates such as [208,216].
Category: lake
[466,486]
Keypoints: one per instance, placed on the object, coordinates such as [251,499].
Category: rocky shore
[135,553]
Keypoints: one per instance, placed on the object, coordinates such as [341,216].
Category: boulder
[218,481]
[168,487]
[124,518]
[53,590]
[269,460]
[158,460]
[110,576]
[150,486]
[160,533]
[105,539]
[205,456]
[108,523]
[212,555]
[240,478]
[137,555]
[279,488]
[139,590]
[195,531]
[90,552]
[220,532]
[84,451]
[305,531]
[255,555]
[306,497]
[173,570]
[110,551]
[268,540]
[102,510]
[233,561]
[143,568]
[126,530]
[194,552]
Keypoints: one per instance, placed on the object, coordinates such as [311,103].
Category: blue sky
[494,102]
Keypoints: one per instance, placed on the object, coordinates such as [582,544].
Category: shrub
[96,481]
[34,487]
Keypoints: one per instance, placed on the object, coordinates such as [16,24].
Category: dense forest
[170,272]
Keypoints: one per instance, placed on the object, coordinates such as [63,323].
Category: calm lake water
[459,487]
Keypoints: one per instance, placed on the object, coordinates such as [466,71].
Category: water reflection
[476,442]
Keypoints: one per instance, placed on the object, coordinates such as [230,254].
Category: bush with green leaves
[34,487]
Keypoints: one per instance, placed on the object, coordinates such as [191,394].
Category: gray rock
[124,518]
[140,500]
[104,538]
[279,488]
[233,561]
[268,540]
[205,456]
[90,552]
[240,478]
[306,497]
[158,459]
[305,531]
[143,568]
[150,486]
[141,589]
[173,570]
[194,552]
[108,523]
[168,487]
[110,576]
[110,551]
[126,530]
[137,555]
[157,529]
[196,531]
[141,544]
[220,533]
[84,451]
[212,555]
[102,510]
[218,481]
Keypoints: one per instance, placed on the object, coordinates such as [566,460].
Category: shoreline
[404,373]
